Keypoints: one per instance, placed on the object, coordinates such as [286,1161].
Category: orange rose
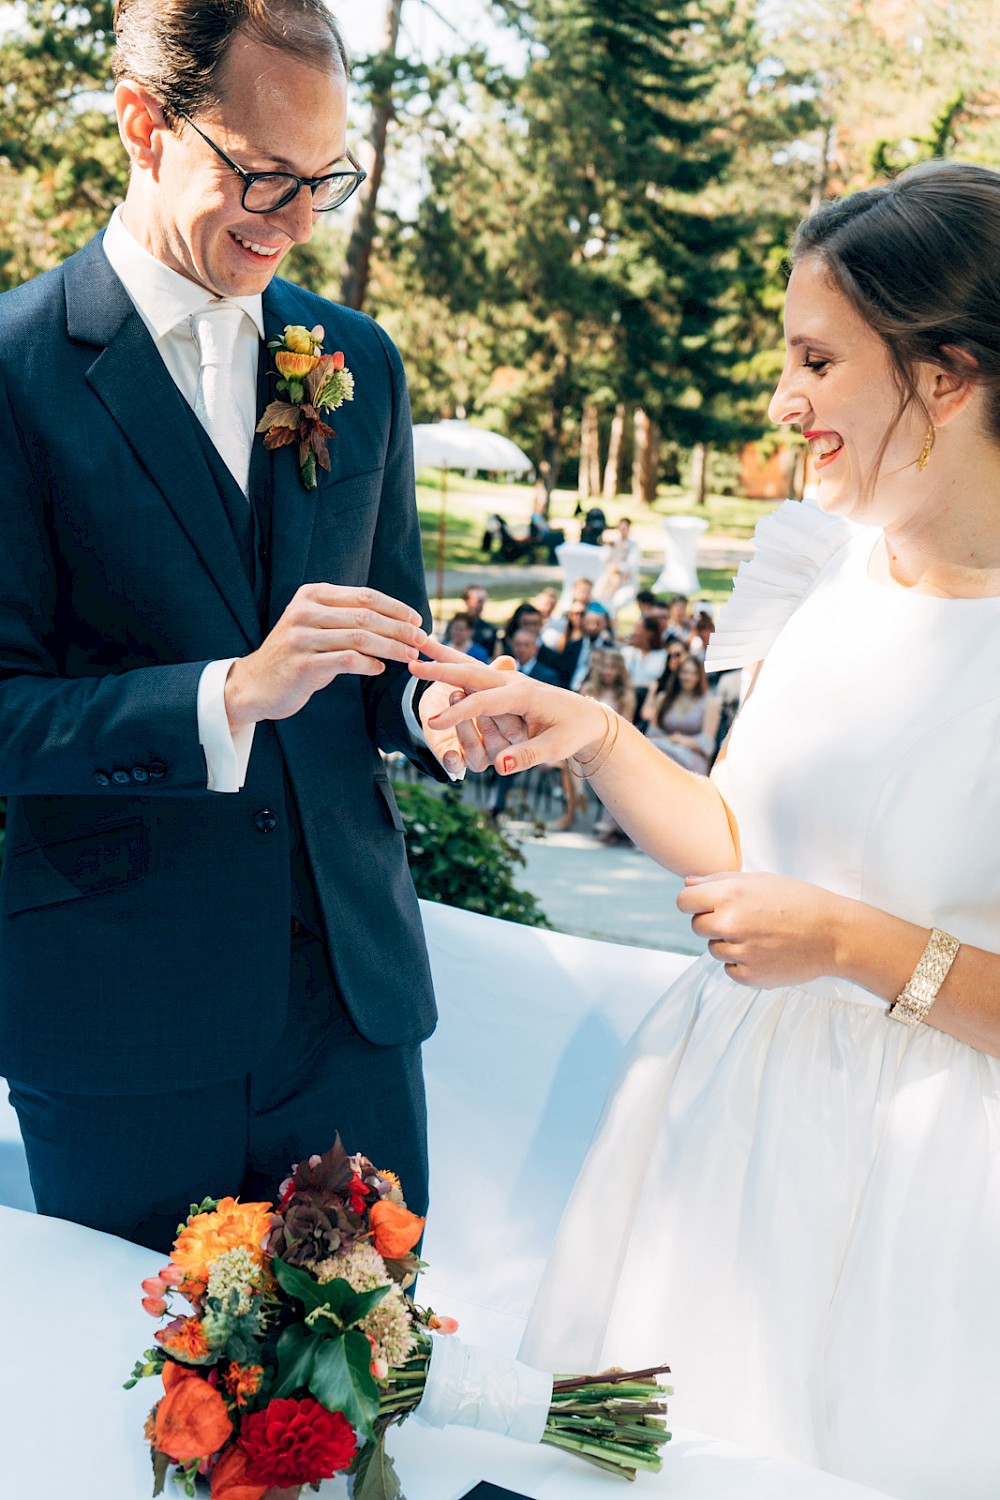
[191,1420]
[229,1478]
[295,366]
[396,1230]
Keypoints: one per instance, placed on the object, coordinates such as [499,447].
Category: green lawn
[470,502]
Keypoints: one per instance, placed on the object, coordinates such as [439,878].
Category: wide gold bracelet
[593,763]
[922,987]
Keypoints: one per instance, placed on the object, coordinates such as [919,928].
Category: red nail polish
[508,763]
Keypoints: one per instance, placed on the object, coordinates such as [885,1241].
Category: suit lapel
[294,507]
[132,381]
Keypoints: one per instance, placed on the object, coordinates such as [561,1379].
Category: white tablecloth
[532,1024]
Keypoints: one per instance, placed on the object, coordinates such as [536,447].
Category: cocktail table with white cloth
[532,1025]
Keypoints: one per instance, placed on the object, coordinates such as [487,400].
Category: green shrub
[460,858]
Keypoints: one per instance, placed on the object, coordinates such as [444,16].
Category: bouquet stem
[615,1420]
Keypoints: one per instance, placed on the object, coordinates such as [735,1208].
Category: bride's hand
[504,718]
[768,930]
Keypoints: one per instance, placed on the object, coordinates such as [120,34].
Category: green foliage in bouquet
[458,857]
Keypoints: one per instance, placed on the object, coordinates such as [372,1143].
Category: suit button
[102,778]
[265,821]
[157,770]
[140,774]
[121,777]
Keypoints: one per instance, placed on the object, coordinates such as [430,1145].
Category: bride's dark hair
[176,48]
[919,260]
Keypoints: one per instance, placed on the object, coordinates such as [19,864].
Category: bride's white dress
[792,1198]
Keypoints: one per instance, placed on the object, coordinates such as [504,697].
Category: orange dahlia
[204,1238]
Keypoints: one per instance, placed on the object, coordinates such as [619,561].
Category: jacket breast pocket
[337,496]
[390,806]
[92,864]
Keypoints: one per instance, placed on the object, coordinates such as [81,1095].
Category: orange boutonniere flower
[313,382]
[395,1229]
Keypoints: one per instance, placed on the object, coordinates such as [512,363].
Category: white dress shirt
[166,302]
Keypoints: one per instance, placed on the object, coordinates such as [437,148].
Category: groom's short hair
[176,48]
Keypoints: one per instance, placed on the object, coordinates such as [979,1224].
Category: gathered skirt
[795,1201]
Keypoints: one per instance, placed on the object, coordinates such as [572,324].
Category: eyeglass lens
[272,190]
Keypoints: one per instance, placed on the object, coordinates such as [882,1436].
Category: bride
[794,1192]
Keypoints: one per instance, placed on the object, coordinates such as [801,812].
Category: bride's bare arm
[771,930]
[679,818]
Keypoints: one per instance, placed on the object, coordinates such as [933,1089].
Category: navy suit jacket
[144,920]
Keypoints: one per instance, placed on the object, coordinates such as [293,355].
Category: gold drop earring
[927,449]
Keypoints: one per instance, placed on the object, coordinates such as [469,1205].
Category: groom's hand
[326,629]
[471,746]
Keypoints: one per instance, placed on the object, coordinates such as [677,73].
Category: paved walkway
[612,892]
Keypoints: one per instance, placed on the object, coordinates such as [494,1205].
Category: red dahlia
[296,1442]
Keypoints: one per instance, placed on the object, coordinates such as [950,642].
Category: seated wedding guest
[683,718]
[556,627]
[523,645]
[619,581]
[545,602]
[679,622]
[574,661]
[543,534]
[483,633]
[525,616]
[609,683]
[645,658]
[461,635]
[701,632]
[526,650]
[647,602]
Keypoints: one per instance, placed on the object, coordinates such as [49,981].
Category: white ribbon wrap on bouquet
[470,1387]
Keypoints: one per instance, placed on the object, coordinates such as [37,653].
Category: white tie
[217,327]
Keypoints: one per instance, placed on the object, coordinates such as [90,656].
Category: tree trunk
[357,261]
[699,472]
[589,482]
[552,444]
[646,459]
[613,467]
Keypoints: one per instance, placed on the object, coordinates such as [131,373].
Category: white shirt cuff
[227,755]
[412,720]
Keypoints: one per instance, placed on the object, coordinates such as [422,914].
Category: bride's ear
[949,387]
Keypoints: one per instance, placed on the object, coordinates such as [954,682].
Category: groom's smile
[275,114]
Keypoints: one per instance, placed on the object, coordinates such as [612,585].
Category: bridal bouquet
[298,1347]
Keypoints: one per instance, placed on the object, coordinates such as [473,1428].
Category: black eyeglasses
[266,192]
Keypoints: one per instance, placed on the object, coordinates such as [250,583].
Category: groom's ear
[140,123]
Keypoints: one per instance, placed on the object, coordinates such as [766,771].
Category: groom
[211,957]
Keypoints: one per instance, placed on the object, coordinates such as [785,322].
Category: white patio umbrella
[454,444]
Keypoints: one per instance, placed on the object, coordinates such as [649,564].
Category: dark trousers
[133,1166]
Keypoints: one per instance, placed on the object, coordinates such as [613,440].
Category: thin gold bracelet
[593,764]
[921,989]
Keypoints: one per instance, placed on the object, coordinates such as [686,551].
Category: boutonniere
[312,382]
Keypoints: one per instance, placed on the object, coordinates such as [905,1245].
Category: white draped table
[532,1024]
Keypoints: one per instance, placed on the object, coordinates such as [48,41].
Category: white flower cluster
[389,1324]
[235,1270]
